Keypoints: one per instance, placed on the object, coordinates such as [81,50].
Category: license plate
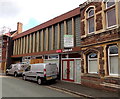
[48,78]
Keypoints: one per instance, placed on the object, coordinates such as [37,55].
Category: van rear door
[51,70]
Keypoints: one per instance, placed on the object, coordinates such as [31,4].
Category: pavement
[84,91]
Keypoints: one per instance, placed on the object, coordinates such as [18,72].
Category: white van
[16,69]
[41,72]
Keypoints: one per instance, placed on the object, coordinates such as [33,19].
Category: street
[16,87]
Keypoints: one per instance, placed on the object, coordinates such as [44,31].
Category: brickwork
[99,24]
[101,37]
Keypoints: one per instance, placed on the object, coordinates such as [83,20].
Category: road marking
[62,91]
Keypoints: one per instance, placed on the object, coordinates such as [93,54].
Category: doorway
[68,70]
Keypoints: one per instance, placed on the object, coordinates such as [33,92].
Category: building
[84,42]
[46,42]
[3,51]
[5,47]
[100,38]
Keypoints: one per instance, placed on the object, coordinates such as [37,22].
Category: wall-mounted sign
[67,50]
[68,41]
[58,51]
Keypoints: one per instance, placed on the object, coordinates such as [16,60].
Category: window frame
[108,9]
[90,17]
[89,64]
[109,65]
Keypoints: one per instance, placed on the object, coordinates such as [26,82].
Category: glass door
[68,70]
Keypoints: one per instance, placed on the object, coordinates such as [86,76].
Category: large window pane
[111,17]
[91,25]
[93,68]
[114,65]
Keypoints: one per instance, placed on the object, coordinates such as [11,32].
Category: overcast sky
[33,12]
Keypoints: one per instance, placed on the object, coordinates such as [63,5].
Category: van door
[28,72]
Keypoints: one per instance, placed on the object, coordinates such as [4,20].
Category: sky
[32,12]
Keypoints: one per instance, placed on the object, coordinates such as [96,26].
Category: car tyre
[39,81]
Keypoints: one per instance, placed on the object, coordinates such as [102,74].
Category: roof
[53,21]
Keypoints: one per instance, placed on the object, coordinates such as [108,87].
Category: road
[15,87]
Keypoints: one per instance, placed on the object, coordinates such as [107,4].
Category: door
[78,70]
[68,70]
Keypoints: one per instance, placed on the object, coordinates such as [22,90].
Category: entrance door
[78,70]
[68,70]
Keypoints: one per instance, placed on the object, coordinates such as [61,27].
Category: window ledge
[111,28]
[92,75]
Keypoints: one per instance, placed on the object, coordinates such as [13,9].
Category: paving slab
[85,91]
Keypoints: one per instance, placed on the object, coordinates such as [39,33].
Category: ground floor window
[113,60]
[92,63]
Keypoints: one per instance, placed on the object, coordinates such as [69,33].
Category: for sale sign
[68,41]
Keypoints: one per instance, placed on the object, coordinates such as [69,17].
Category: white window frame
[88,18]
[89,65]
[109,60]
[107,16]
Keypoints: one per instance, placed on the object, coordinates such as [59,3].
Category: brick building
[100,37]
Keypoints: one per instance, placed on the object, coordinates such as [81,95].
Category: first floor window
[91,25]
[111,17]
[92,63]
[113,60]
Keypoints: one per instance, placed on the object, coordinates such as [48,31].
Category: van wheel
[39,81]
[24,77]
[6,73]
[15,74]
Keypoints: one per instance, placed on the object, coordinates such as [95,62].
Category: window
[110,13]
[28,68]
[113,60]
[90,20]
[92,63]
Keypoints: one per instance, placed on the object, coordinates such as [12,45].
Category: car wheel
[15,74]
[39,81]
[24,77]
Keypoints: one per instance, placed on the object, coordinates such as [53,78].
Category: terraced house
[84,43]
[100,39]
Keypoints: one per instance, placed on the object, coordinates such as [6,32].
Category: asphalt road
[15,87]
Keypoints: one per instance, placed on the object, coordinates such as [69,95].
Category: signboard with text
[68,41]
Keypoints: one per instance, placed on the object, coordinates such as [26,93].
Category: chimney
[19,28]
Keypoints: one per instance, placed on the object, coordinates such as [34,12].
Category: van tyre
[6,73]
[24,77]
[39,81]
[15,74]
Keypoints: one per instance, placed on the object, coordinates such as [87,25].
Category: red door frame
[68,67]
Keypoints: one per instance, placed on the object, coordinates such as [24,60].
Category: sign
[67,50]
[68,41]
[58,51]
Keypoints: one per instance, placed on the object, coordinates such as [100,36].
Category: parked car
[16,69]
[41,72]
